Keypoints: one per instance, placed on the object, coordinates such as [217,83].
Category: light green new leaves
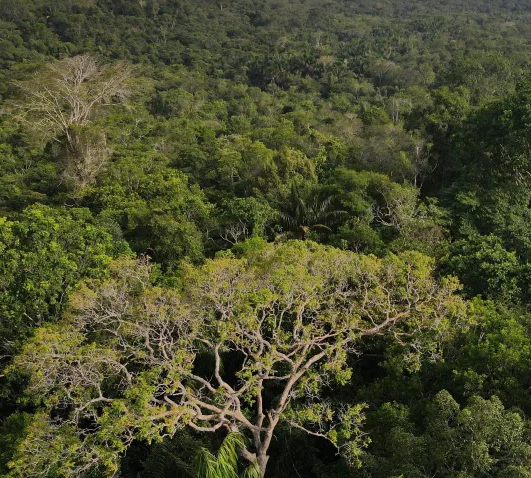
[134,362]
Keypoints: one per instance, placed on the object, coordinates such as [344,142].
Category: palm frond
[227,457]
[252,471]
[287,220]
[225,463]
[163,462]
[206,464]
[336,214]
[306,210]
[325,205]
[322,227]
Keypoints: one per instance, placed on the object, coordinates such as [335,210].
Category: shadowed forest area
[265,238]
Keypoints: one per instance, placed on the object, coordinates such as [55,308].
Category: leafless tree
[62,100]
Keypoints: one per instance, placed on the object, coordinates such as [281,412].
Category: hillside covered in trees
[265,238]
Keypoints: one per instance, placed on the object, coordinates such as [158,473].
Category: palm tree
[225,463]
[307,212]
[165,461]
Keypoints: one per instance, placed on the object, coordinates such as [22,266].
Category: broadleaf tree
[248,344]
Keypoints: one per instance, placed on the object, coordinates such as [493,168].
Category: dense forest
[281,238]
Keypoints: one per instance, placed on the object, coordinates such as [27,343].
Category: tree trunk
[262,459]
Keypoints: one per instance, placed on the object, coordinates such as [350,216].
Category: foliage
[157,159]
[45,253]
[479,439]
[126,357]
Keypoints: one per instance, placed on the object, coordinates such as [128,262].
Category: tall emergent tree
[247,344]
[62,100]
